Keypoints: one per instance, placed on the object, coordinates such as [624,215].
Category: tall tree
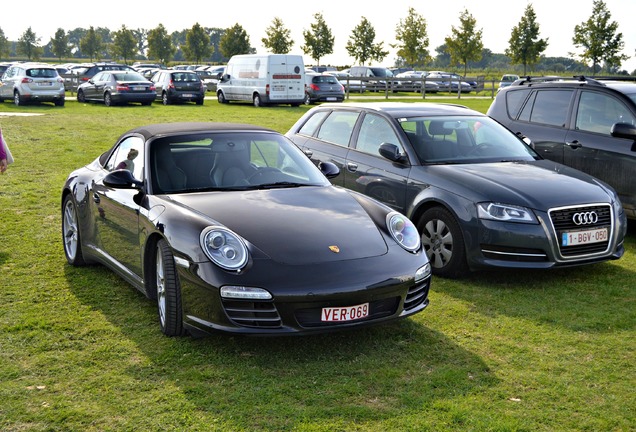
[141,39]
[465,42]
[599,38]
[412,39]
[29,45]
[160,46]
[124,44]
[525,46]
[198,46]
[278,39]
[91,44]
[318,40]
[4,45]
[60,46]
[235,41]
[361,44]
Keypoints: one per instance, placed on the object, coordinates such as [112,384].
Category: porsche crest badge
[334,249]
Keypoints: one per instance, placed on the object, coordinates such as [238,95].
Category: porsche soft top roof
[152,130]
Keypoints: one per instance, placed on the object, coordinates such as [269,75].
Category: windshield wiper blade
[283,184]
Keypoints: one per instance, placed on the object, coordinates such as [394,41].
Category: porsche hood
[297,226]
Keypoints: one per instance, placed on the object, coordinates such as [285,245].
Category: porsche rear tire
[168,288]
[71,234]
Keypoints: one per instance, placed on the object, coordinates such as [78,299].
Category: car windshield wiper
[283,184]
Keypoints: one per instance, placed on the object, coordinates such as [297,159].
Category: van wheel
[221,98]
[257,100]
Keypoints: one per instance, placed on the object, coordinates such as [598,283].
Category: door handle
[574,144]
[353,167]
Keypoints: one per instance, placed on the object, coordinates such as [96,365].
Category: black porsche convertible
[231,227]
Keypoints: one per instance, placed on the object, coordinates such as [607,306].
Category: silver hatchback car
[32,82]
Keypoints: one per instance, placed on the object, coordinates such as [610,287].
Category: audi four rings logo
[585,218]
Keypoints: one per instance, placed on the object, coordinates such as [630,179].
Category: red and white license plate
[574,238]
[347,313]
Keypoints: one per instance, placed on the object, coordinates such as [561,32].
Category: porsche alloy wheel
[70,233]
[443,242]
[168,291]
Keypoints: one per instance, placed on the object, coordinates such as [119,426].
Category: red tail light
[314,87]
[267,89]
[122,87]
[26,80]
[171,85]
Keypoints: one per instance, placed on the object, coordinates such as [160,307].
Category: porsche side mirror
[329,170]
[122,179]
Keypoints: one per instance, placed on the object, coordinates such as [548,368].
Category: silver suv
[32,82]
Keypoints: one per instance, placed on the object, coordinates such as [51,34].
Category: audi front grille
[582,219]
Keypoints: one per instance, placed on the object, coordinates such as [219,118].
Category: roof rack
[529,80]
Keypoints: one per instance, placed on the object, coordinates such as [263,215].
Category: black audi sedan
[479,195]
[231,227]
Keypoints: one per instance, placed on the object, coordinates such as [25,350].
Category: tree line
[598,40]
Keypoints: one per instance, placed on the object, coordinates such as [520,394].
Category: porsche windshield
[229,161]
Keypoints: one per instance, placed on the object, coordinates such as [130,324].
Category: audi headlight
[505,213]
[403,231]
[225,248]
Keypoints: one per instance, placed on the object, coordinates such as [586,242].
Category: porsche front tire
[166,281]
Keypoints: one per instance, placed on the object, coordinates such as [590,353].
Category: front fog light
[245,293]
[423,272]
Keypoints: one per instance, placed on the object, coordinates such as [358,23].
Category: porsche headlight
[403,231]
[225,248]
[505,213]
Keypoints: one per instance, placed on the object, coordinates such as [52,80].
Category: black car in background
[581,122]
[478,194]
[89,70]
[178,86]
[117,87]
[323,87]
[230,227]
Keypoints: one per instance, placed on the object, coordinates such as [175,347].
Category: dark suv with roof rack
[588,124]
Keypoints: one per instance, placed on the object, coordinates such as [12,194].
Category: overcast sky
[556,19]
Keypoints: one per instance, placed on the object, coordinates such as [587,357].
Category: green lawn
[80,350]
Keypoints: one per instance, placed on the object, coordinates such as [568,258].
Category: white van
[263,79]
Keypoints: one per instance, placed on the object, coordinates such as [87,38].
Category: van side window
[337,128]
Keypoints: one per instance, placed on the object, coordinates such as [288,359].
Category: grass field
[80,350]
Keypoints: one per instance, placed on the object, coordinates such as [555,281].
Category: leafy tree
[160,45]
[525,46]
[465,43]
[60,46]
[278,39]
[197,45]
[124,44]
[235,41]
[74,39]
[361,44]
[4,45]
[141,39]
[91,44]
[319,40]
[599,38]
[28,45]
[413,39]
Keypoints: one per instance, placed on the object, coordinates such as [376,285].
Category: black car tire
[108,101]
[221,98]
[199,101]
[168,288]
[59,103]
[307,100]
[443,243]
[165,99]
[70,233]
[81,97]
